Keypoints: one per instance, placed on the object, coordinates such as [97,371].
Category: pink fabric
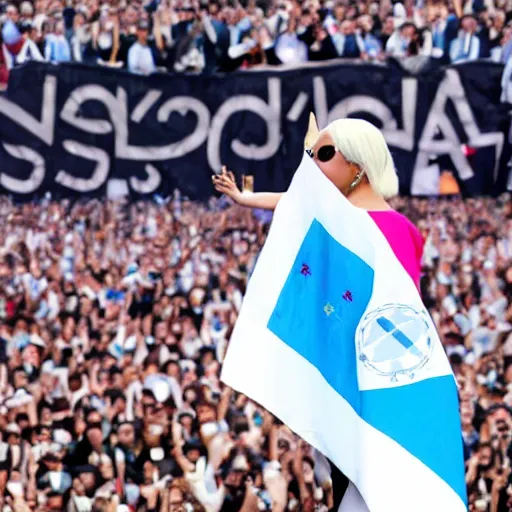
[404,238]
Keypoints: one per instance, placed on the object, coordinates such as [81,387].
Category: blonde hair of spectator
[362,144]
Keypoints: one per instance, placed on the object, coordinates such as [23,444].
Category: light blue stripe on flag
[325,295]
[323,273]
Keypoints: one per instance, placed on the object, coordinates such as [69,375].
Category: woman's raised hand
[226,184]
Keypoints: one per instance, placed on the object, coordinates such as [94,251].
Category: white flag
[334,340]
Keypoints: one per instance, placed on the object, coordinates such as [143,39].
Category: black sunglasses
[323,154]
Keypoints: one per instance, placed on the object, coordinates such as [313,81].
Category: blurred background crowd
[223,35]
[114,322]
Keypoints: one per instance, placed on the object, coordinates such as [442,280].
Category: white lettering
[191,142]
[43,129]
[403,139]
[298,107]
[150,98]
[438,136]
[34,181]
[271,114]
[99,175]
[438,123]
[71,112]
[150,184]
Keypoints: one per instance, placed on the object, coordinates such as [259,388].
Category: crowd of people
[114,322]
[223,35]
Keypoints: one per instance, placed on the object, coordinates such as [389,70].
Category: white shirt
[290,50]
[140,59]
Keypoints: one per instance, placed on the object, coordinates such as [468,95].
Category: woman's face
[337,169]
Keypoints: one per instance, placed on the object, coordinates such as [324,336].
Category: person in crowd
[289,48]
[386,30]
[105,36]
[497,28]
[349,43]
[466,47]
[81,39]
[372,45]
[322,47]
[443,26]
[142,55]
[406,41]
[57,48]
[4,69]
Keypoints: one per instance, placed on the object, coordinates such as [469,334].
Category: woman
[353,154]
[105,36]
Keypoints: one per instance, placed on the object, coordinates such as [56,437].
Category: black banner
[72,129]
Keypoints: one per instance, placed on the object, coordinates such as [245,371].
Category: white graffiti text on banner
[438,136]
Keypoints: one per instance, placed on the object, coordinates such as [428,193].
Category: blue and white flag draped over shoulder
[334,340]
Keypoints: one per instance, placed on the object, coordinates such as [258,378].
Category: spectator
[26,11]
[105,36]
[4,70]
[386,31]
[497,28]
[141,55]
[12,13]
[81,40]
[12,42]
[404,42]
[349,44]
[323,47]
[466,46]
[289,49]
[57,47]
[372,46]
[444,29]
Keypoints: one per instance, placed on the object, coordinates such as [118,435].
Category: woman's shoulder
[390,215]
[404,239]
[391,221]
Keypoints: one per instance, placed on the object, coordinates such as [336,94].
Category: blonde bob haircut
[362,144]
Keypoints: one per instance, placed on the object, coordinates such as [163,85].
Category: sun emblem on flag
[394,340]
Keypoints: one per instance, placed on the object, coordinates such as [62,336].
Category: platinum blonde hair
[362,144]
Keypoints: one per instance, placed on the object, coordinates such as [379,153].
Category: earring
[356,180]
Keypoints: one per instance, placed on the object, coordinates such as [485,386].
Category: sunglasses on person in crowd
[324,153]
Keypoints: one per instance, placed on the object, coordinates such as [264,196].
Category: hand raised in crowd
[276,485]
[251,499]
